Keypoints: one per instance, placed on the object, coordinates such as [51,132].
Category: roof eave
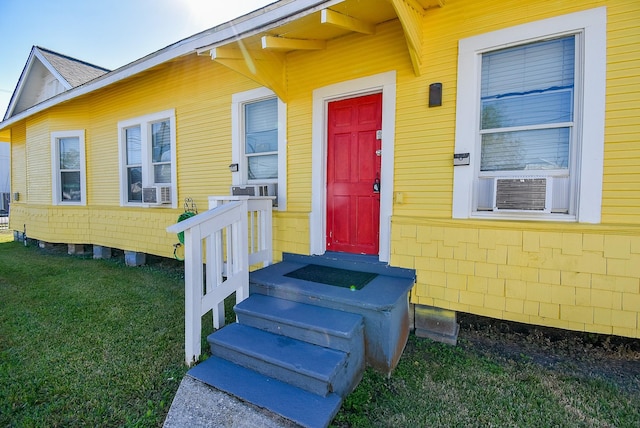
[291,10]
[243,26]
[20,85]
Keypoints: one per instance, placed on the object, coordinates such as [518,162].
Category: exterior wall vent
[156,195]
[530,194]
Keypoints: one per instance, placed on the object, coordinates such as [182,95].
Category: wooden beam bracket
[346,22]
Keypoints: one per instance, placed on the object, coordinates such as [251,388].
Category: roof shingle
[74,71]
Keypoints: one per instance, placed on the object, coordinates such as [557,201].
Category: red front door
[353,175]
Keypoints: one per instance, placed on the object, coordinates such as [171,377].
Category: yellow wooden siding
[103,166]
[124,229]
[560,275]
[585,279]
[19,163]
[290,233]
[620,201]
[38,151]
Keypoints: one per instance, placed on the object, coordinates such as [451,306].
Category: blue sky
[108,33]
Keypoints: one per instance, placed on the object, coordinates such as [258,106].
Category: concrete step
[304,365]
[383,303]
[298,405]
[313,324]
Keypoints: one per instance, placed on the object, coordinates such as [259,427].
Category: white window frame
[238,101]
[590,27]
[145,123]
[56,184]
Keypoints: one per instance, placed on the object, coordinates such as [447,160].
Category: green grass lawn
[88,342]
[437,385]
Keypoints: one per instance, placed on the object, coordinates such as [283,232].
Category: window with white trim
[68,166]
[524,115]
[258,137]
[261,139]
[148,159]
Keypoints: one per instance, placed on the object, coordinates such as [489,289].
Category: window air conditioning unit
[254,190]
[156,195]
[522,194]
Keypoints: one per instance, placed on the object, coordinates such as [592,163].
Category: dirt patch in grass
[503,374]
[586,356]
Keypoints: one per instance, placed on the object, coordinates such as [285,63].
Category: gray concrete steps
[313,324]
[295,404]
[300,346]
[383,303]
[305,365]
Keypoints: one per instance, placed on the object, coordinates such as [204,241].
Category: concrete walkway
[197,404]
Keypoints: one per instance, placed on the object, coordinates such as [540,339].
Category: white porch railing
[260,225]
[224,230]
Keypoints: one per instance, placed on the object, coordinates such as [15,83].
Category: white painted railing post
[215,273]
[241,255]
[226,224]
[192,295]
[266,233]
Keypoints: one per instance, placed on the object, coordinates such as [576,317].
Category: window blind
[261,139]
[526,101]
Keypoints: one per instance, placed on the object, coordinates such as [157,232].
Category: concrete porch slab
[199,405]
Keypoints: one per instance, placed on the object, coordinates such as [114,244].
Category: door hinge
[379,134]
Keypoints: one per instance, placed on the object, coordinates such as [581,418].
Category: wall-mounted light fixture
[233,167]
[461,159]
[16,196]
[435,95]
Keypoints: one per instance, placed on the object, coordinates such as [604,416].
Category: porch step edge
[305,365]
[295,404]
[321,326]
[380,294]
[356,262]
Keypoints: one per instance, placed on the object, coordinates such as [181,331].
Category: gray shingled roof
[74,71]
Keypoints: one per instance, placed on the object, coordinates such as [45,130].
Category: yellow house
[497,148]
[490,147]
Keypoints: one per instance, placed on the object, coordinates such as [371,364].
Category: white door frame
[386,84]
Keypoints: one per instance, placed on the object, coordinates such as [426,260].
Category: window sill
[150,206]
[70,204]
[490,215]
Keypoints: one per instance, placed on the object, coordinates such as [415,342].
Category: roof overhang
[260,53]
[35,57]
[256,44]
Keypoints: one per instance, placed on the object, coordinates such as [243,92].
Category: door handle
[376,185]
